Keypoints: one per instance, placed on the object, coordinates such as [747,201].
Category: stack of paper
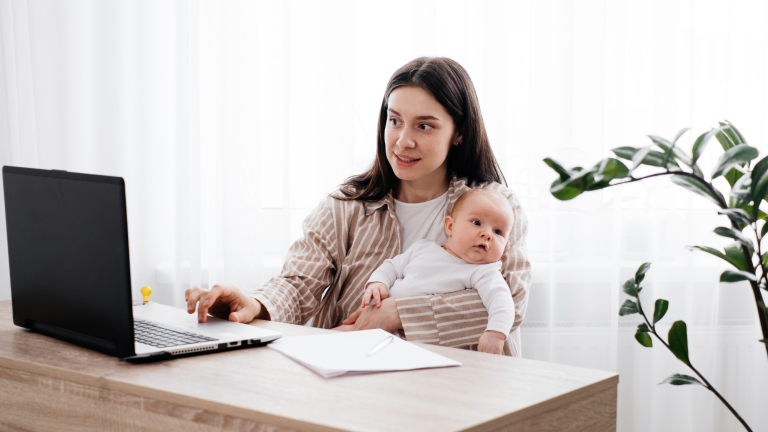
[346,353]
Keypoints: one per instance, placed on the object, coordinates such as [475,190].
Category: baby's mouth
[481,247]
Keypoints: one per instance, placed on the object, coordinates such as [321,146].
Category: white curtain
[231,120]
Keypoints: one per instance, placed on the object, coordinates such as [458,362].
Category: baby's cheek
[498,251]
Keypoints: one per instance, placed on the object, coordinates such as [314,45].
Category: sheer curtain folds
[231,120]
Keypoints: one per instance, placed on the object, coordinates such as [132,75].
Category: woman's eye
[425,127]
[393,120]
[476,222]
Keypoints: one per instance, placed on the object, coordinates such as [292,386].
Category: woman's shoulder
[340,204]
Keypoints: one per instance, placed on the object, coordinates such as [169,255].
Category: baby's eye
[425,127]
[476,222]
[498,232]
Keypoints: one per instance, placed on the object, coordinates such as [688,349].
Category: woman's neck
[420,190]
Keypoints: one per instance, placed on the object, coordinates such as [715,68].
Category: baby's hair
[463,197]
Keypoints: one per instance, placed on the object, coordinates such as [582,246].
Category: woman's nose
[406,140]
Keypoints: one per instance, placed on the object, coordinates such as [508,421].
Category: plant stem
[761,313]
[723,204]
[707,385]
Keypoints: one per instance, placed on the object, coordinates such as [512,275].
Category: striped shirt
[345,241]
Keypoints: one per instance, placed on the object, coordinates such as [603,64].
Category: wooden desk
[48,385]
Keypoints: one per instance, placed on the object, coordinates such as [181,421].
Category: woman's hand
[225,302]
[385,317]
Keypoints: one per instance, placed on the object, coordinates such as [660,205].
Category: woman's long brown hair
[451,86]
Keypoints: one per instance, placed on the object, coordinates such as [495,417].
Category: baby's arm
[492,342]
[377,287]
[494,292]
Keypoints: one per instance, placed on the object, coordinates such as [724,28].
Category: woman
[431,148]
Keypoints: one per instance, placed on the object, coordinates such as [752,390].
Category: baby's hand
[376,290]
[491,342]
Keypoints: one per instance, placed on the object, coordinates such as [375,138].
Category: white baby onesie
[427,268]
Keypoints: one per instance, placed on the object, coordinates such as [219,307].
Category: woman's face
[418,135]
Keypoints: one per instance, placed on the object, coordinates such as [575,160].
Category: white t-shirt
[424,220]
[427,268]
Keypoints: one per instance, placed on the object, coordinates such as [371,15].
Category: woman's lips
[400,162]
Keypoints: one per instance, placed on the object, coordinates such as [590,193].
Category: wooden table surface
[47,385]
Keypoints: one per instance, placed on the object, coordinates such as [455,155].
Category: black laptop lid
[68,256]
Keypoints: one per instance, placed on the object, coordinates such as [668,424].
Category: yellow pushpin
[146,291]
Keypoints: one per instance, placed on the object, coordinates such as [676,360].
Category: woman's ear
[448,226]
[456,138]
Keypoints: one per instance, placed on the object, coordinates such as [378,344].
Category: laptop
[71,279]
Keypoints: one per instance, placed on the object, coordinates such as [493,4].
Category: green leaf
[736,255]
[733,134]
[737,215]
[736,235]
[659,310]
[678,340]
[732,176]
[661,142]
[630,288]
[564,191]
[669,150]
[741,190]
[679,134]
[680,154]
[737,276]
[639,157]
[697,171]
[644,339]
[564,173]
[759,176]
[625,152]
[765,341]
[764,230]
[653,158]
[724,140]
[640,273]
[643,327]
[699,187]
[678,379]
[735,156]
[628,308]
[607,170]
[738,264]
[701,143]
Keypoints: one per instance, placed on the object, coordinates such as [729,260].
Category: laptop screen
[68,257]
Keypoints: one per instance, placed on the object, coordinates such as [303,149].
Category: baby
[477,230]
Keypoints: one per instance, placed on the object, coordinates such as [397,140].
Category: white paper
[346,353]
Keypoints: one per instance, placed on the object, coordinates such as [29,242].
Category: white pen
[381,345]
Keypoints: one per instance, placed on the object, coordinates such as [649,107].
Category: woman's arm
[294,296]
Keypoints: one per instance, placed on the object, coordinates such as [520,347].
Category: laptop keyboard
[154,334]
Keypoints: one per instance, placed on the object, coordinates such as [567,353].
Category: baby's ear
[448,225]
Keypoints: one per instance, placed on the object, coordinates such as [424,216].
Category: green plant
[678,336]
[749,187]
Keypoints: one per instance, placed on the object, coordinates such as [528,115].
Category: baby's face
[478,231]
